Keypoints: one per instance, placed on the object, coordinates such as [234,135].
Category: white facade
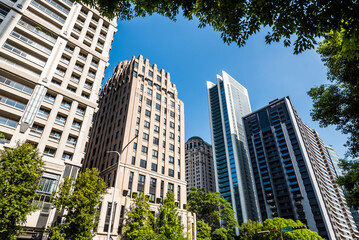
[52,59]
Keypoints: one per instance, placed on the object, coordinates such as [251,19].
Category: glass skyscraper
[293,172]
[228,103]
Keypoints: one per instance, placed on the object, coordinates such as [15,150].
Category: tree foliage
[168,222]
[338,103]
[213,209]
[79,199]
[350,181]
[236,20]
[250,230]
[139,220]
[20,171]
[203,230]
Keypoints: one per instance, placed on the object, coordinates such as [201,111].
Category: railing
[38,132]
[60,121]
[37,31]
[94,64]
[56,138]
[44,115]
[64,60]
[72,143]
[16,85]
[89,38]
[62,9]
[75,80]
[24,55]
[60,72]
[8,122]
[42,8]
[69,50]
[28,41]
[88,86]
[19,66]
[82,57]
[90,74]
[80,112]
[77,67]
[12,103]
[77,127]
[66,106]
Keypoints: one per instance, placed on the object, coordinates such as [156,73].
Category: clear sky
[193,56]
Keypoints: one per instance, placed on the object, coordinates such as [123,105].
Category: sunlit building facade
[52,60]
[228,103]
[139,99]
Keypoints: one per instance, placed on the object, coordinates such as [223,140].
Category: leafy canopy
[203,230]
[215,212]
[140,220]
[236,20]
[20,171]
[250,230]
[350,181]
[168,222]
[338,103]
[80,198]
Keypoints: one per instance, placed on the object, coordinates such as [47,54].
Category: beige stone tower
[140,100]
[52,59]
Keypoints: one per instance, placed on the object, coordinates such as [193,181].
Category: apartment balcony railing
[12,103]
[8,122]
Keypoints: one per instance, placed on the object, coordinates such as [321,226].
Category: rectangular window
[172,147]
[144,149]
[148,113]
[150,73]
[159,78]
[171,159]
[154,167]
[143,163]
[149,91]
[172,136]
[163,170]
[66,156]
[171,172]
[158,107]
[139,109]
[170,187]
[158,96]
[138,121]
[145,136]
[157,129]
[172,125]
[172,114]
[141,183]
[140,98]
[133,161]
[134,146]
[155,141]
[155,153]
[147,124]
[149,102]
[157,117]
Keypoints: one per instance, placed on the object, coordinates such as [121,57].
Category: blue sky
[193,56]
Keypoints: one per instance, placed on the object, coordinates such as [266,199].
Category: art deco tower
[294,175]
[228,103]
[52,58]
[140,100]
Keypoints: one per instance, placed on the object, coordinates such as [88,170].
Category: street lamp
[268,231]
[114,187]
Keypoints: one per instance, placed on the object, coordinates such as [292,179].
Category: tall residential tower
[294,175]
[139,99]
[199,165]
[228,103]
[52,59]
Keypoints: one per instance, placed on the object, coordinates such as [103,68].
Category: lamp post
[114,187]
[268,231]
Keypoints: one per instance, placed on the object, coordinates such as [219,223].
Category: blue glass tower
[228,103]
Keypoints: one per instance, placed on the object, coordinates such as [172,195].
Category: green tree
[350,181]
[20,171]
[79,199]
[250,230]
[338,103]
[237,20]
[212,209]
[203,230]
[140,220]
[168,222]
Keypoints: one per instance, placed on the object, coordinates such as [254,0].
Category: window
[172,114]
[172,147]
[43,113]
[80,110]
[158,107]
[141,87]
[149,91]
[148,113]
[134,146]
[163,170]
[154,167]
[72,140]
[117,134]
[172,136]
[49,97]
[158,96]
[158,87]
[54,135]
[164,121]
[145,136]
[157,129]
[115,147]
[171,173]
[147,124]
[170,187]
[140,98]
[144,149]
[133,160]
[163,156]
[149,102]
[164,132]
[143,68]
[143,163]
[157,117]
[172,124]
[155,141]
[171,159]
[138,121]
[139,109]
[76,125]
[49,152]
[159,78]
[150,73]
[66,156]
[149,82]
[60,119]
[155,153]
[37,129]
[141,183]
[164,144]
[48,183]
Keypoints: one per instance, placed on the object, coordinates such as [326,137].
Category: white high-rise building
[228,103]
[53,55]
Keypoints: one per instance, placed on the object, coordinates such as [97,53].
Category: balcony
[88,86]
[78,67]
[69,49]
[60,72]
[91,74]
[12,103]
[48,12]
[74,79]
[8,122]
[55,137]
[37,31]
[16,85]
